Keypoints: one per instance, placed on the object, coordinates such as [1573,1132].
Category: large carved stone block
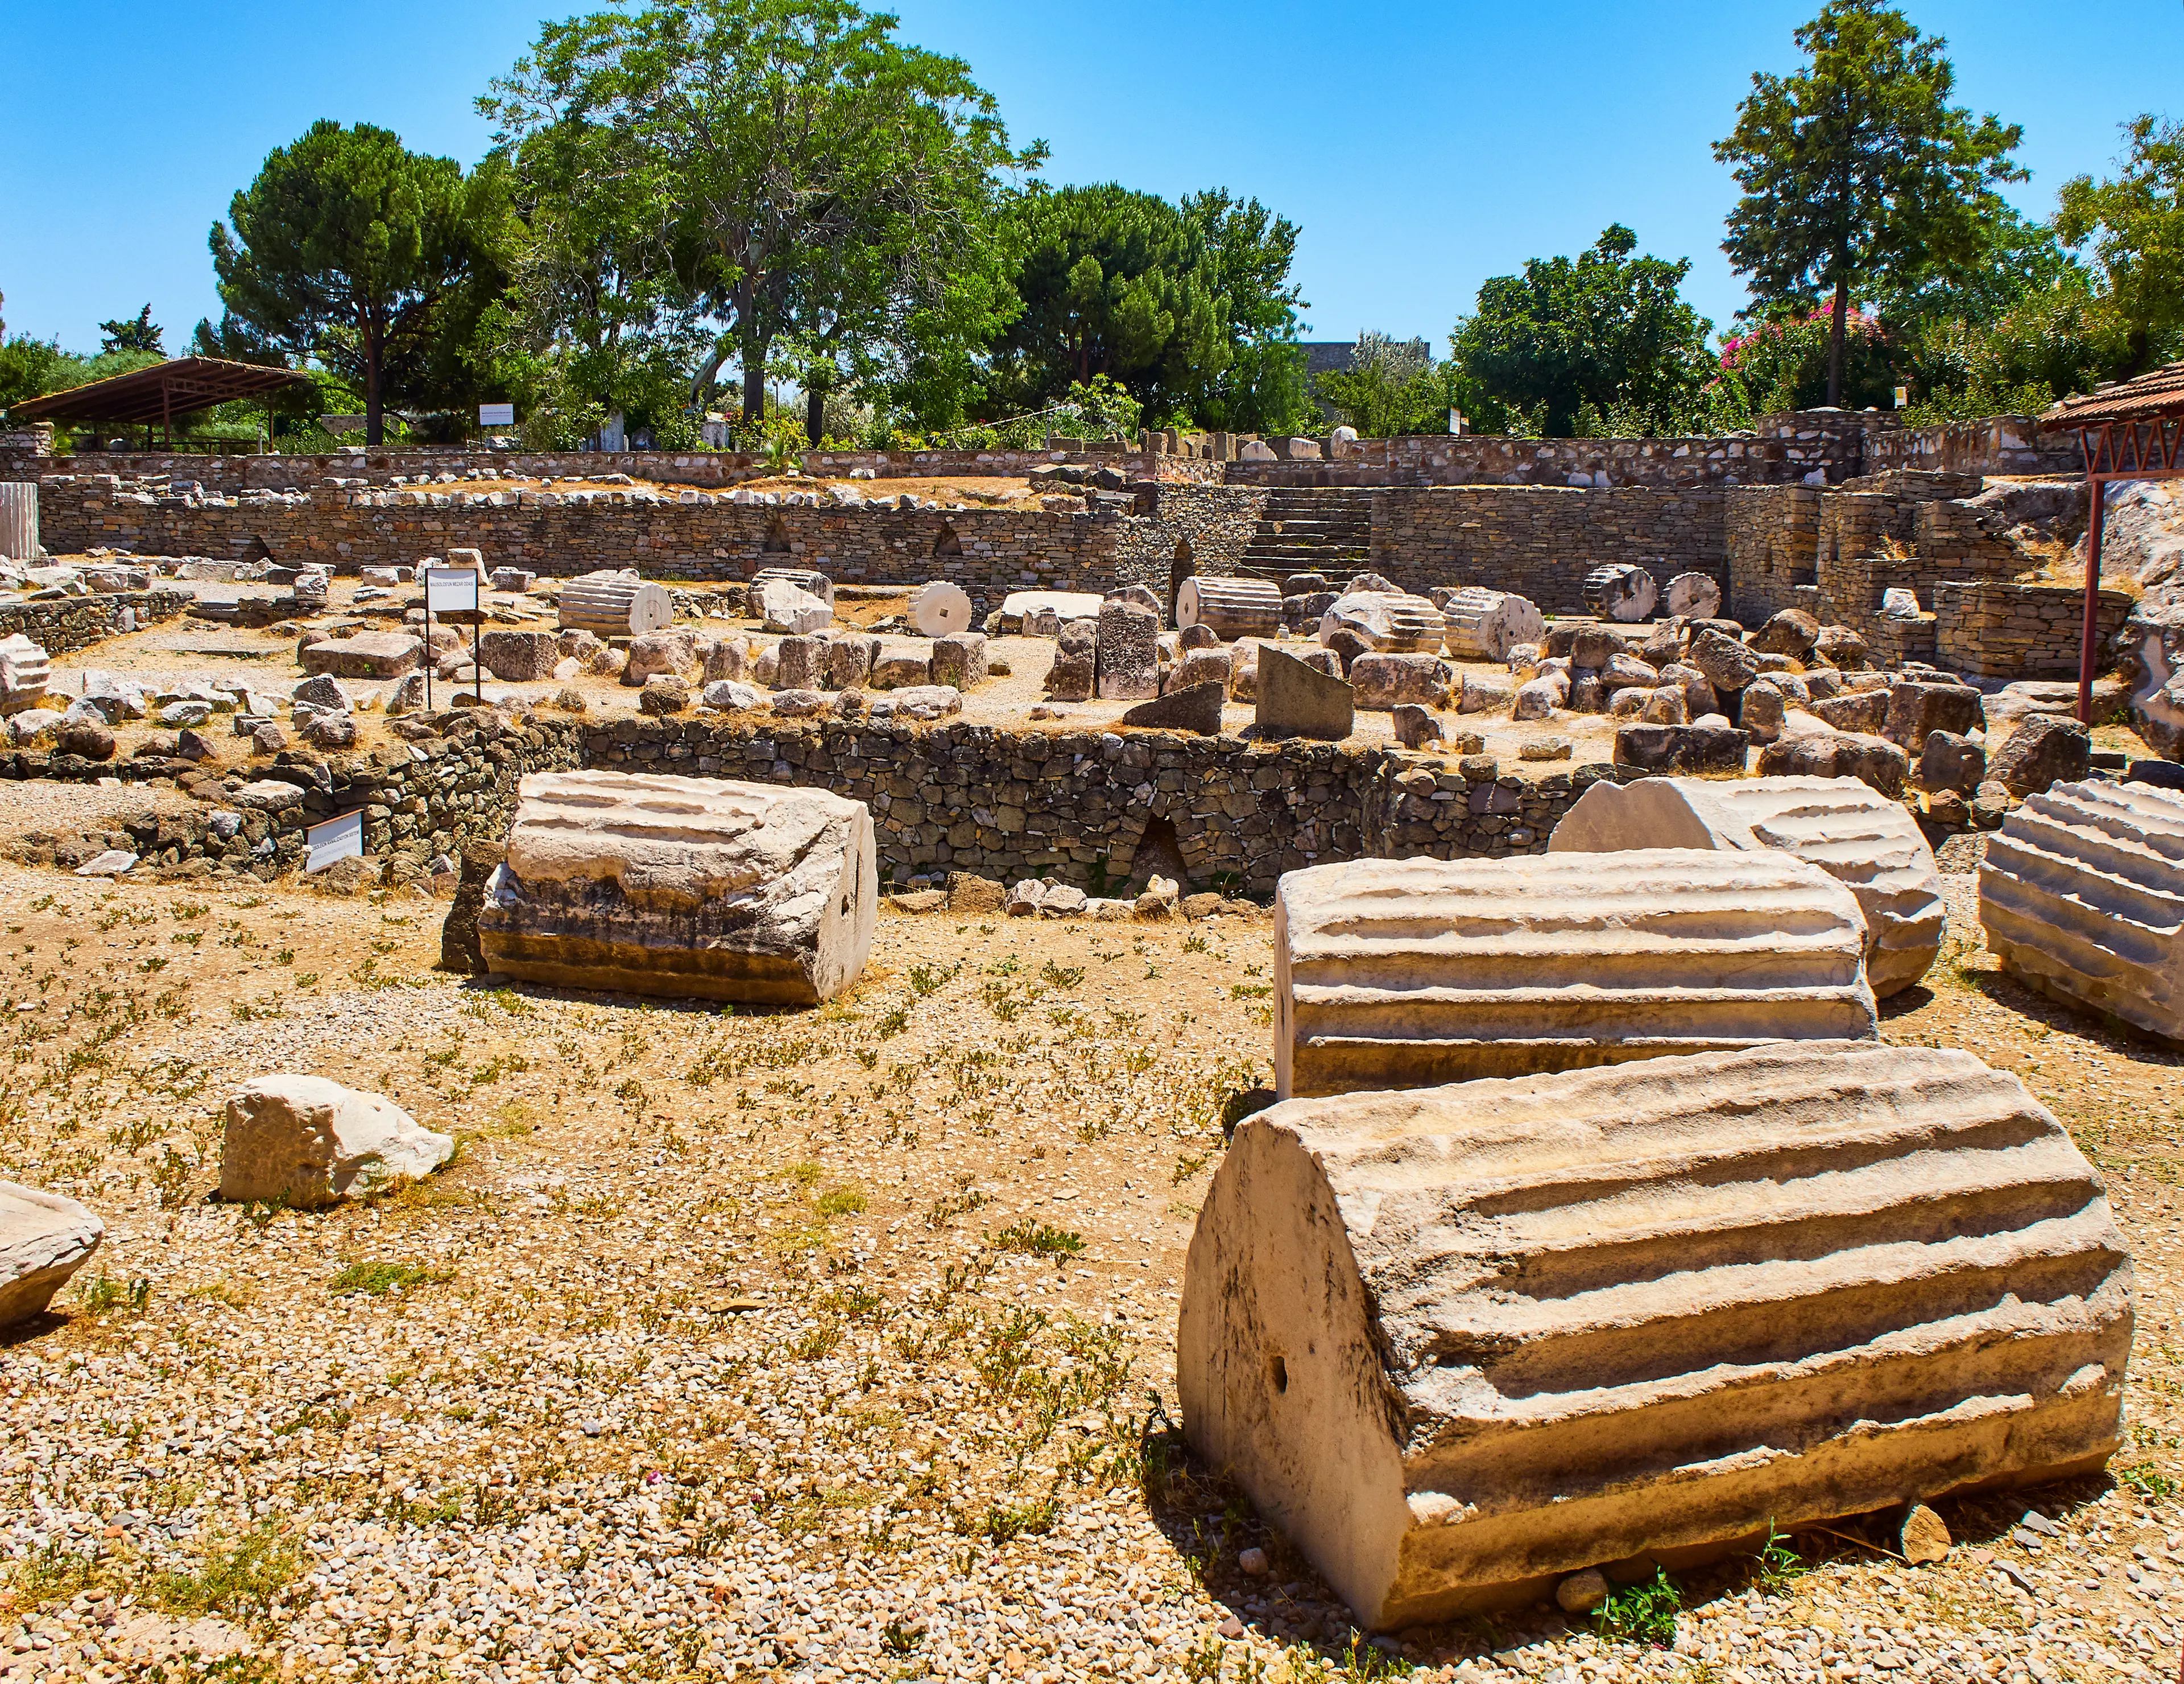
[1401,973]
[2082,893]
[1458,1343]
[685,886]
[1864,841]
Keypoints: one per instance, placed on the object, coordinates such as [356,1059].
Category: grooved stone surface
[1458,1342]
[1864,841]
[1401,973]
[2082,893]
[683,886]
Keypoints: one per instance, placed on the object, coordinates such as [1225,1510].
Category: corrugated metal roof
[2156,394]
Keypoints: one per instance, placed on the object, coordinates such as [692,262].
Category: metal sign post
[452,593]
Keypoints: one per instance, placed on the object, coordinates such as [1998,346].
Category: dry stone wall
[1992,628]
[1770,539]
[78,621]
[1540,541]
[988,551]
[1189,529]
[1996,444]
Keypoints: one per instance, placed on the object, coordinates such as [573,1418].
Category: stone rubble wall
[1996,444]
[703,469]
[424,798]
[75,623]
[1771,543]
[1214,522]
[1992,628]
[1540,541]
[987,551]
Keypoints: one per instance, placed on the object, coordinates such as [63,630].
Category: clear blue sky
[1421,146]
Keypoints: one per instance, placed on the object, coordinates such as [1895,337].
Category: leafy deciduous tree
[1605,329]
[2136,226]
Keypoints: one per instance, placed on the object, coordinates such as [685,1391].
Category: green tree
[140,334]
[1856,172]
[1605,329]
[1113,282]
[1391,387]
[1249,252]
[2134,225]
[792,167]
[348,248]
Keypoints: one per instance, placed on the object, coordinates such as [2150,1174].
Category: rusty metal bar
[2087,655]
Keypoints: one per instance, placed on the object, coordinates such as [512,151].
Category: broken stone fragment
[44,1239]
[683,886]
[1460,1344]
[305,1140]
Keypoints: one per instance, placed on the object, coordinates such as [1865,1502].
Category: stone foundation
[1991,629]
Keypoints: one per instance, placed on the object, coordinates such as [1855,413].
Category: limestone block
[1863,711]
[25,674]
[1538,698]
[1386,622]
[1485,625]
[725,657]
[1793,633]
[1297,699]
[2082,893]
[1949,761]
[1127,661]
[683,886]
[939,608]
[800,663]
[518,657]
[1402,973]
[959,658]
[785,607]
[1727,663]
[1231,608]
[900,669]
[1916,710]
[44,1239]
[1623,670]
[1064,605]
[615,604]
[2044,750]
[1867,843]
[805,579]
[1484,693]
[1761,710]
[1621,591]
[1196,709]
[674,654]
[307,1141]
[850,658]
[2151,650]
[1383,681]
[919,702]
[1199,666]
[1669,704]
[371,654]
[1810,749]
[1069,679]
[1694,596]
[1457,1344]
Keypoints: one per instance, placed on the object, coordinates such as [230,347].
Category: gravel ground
[824,1344]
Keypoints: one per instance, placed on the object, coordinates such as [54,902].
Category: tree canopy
[140,333]
[2134,226]
[777,169]
[1605,329]
[1856,172]
[351,250]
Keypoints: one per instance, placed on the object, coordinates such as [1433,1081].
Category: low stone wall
[1540,541]
[1993,629]
[1080,806]
[988,551]
[417,801]
[76,622]
[1997,444]
[1190,529]
[1770,539]
[704,469]
[1814,446]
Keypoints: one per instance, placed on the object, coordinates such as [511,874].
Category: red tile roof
[2156,394]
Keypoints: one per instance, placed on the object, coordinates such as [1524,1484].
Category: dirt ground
[814,1345]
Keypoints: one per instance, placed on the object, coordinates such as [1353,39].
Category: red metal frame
[2117,450]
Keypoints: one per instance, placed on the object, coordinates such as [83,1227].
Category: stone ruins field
[825,1344]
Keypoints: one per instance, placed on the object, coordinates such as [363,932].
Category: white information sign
[337,839]
[496,415]
[451,590]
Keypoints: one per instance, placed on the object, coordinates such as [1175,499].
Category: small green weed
[1642,1614]
[377,1279]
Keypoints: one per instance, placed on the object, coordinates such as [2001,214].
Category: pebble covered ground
[824,1344]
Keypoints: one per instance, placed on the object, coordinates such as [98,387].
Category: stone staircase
[1308,530]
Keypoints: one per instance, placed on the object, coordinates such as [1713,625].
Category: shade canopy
[164,392]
